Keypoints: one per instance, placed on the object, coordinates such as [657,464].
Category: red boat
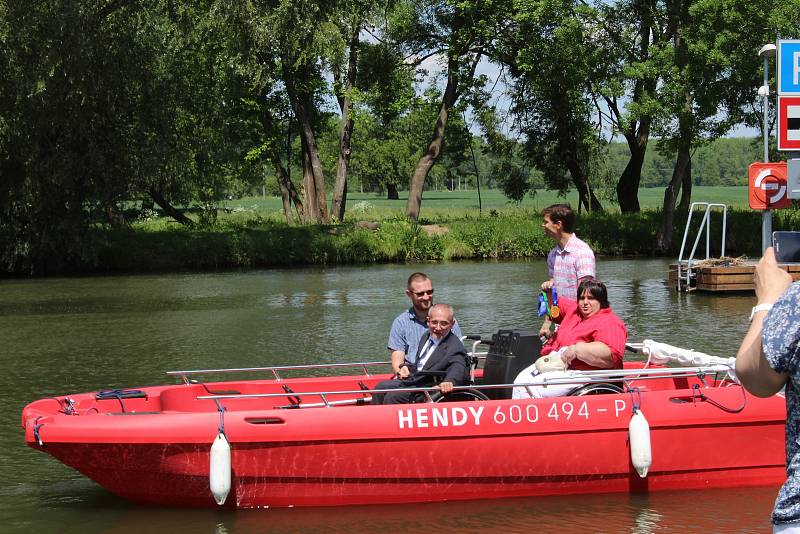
[315,441]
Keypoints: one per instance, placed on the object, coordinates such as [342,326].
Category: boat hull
[157,451]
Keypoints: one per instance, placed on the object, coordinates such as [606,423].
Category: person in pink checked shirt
[570,262]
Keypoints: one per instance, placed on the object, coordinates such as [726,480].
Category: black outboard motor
[510,352]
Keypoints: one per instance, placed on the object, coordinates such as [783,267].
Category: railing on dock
[685,273]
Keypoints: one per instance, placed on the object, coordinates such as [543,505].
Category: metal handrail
[585,377]
[705,223]
[275,368]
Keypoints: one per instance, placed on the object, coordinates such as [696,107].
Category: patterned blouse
[780,338]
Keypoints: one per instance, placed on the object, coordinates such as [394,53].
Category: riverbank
[236,242]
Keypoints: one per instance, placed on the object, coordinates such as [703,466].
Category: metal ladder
[685,273]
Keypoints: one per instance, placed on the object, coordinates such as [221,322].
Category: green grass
[252,232]
[442,205]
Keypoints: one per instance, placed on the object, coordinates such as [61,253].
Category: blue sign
[789,67]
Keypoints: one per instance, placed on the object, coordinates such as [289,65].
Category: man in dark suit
[439,350]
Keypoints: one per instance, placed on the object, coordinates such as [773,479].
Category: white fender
[639,436]
[219,471]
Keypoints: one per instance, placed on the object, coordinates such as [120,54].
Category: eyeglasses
[421,293]
[438,323]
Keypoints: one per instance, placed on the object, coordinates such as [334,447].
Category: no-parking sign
[788,122]
[768,189]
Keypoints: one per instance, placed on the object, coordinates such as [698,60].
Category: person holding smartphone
[768,360]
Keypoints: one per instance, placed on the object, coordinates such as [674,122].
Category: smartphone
[786,246]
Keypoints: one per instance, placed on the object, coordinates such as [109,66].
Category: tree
[387,146]
[552,97]
[625,34]
[285,42]
[709,69]
[391,119]
[355,15]
[458,32]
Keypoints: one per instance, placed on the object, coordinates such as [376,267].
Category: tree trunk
[315,168]
[637,131]
[586,197]
[309,186]
[628,184]
[114,215]
[664,236]
[434,150]
[686,189]
[339,202]
[289,194]
[314,179]
[391,191]
[682,173]
[168,208]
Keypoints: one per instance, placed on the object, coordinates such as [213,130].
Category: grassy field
[437,205]
[251,232]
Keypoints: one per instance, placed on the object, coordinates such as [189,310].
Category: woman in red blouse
[592,336]
[589,337]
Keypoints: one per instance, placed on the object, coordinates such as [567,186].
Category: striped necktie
[427,350]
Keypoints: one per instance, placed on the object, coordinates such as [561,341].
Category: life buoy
[219,470]
[639,437]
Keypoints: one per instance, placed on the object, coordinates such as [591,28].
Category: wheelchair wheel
[600,388]
[465,395]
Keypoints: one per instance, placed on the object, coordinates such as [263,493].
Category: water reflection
[81,334]
[727,511]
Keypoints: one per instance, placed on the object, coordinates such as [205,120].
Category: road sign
[789,67]
[793,177]
[768,186]
[788,122]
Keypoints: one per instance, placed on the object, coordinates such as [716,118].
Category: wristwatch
[760,307]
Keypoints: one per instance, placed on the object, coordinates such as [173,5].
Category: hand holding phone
[786,246]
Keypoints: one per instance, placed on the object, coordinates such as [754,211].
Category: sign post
[767,51]
[789,108]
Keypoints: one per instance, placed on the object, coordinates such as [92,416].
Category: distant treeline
[721,162]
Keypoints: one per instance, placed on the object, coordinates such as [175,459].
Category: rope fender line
[36,426]
[120,394]
[636,399]
[221,409]
[698,393]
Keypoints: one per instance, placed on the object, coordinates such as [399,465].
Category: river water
[70,335]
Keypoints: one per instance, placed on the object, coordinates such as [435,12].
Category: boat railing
[276,369]
[579,378]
